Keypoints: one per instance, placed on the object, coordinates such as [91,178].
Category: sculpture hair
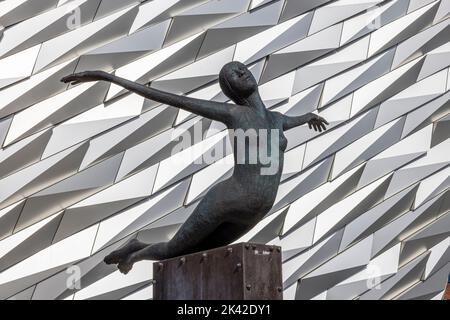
[226,87]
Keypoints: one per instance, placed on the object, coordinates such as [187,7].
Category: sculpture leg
[202,222]
[215,235]
[225,234]
[121,254]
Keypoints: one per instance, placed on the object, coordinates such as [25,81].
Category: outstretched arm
[209,109]
[314,121]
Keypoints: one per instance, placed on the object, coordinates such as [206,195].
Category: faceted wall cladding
[362,210]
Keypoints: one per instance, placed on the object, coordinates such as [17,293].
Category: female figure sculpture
[232,207]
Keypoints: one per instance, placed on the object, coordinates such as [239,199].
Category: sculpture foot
[125,266]
[120,255]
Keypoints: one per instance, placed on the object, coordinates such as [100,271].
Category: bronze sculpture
[234,206]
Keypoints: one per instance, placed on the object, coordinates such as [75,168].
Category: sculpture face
[237,81]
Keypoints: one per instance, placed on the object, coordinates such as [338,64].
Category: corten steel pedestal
[236,272]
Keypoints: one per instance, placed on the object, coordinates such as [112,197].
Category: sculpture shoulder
[225,112]
[277,116]
[236,109]
[237,112]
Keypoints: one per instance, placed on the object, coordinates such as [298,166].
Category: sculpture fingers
[319,127]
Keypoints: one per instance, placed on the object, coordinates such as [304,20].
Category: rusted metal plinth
[242,271]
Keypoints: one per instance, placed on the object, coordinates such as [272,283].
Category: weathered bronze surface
[236,272]
[234,206]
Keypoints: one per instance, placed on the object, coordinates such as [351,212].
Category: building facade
[362,211]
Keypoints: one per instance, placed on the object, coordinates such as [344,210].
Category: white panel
[361,209]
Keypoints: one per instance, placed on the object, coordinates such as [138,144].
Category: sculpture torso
[232,207]
[257,191]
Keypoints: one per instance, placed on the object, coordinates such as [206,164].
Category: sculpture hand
[317,122]
[86,76]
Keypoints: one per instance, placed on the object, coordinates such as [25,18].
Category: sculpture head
[237,82]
